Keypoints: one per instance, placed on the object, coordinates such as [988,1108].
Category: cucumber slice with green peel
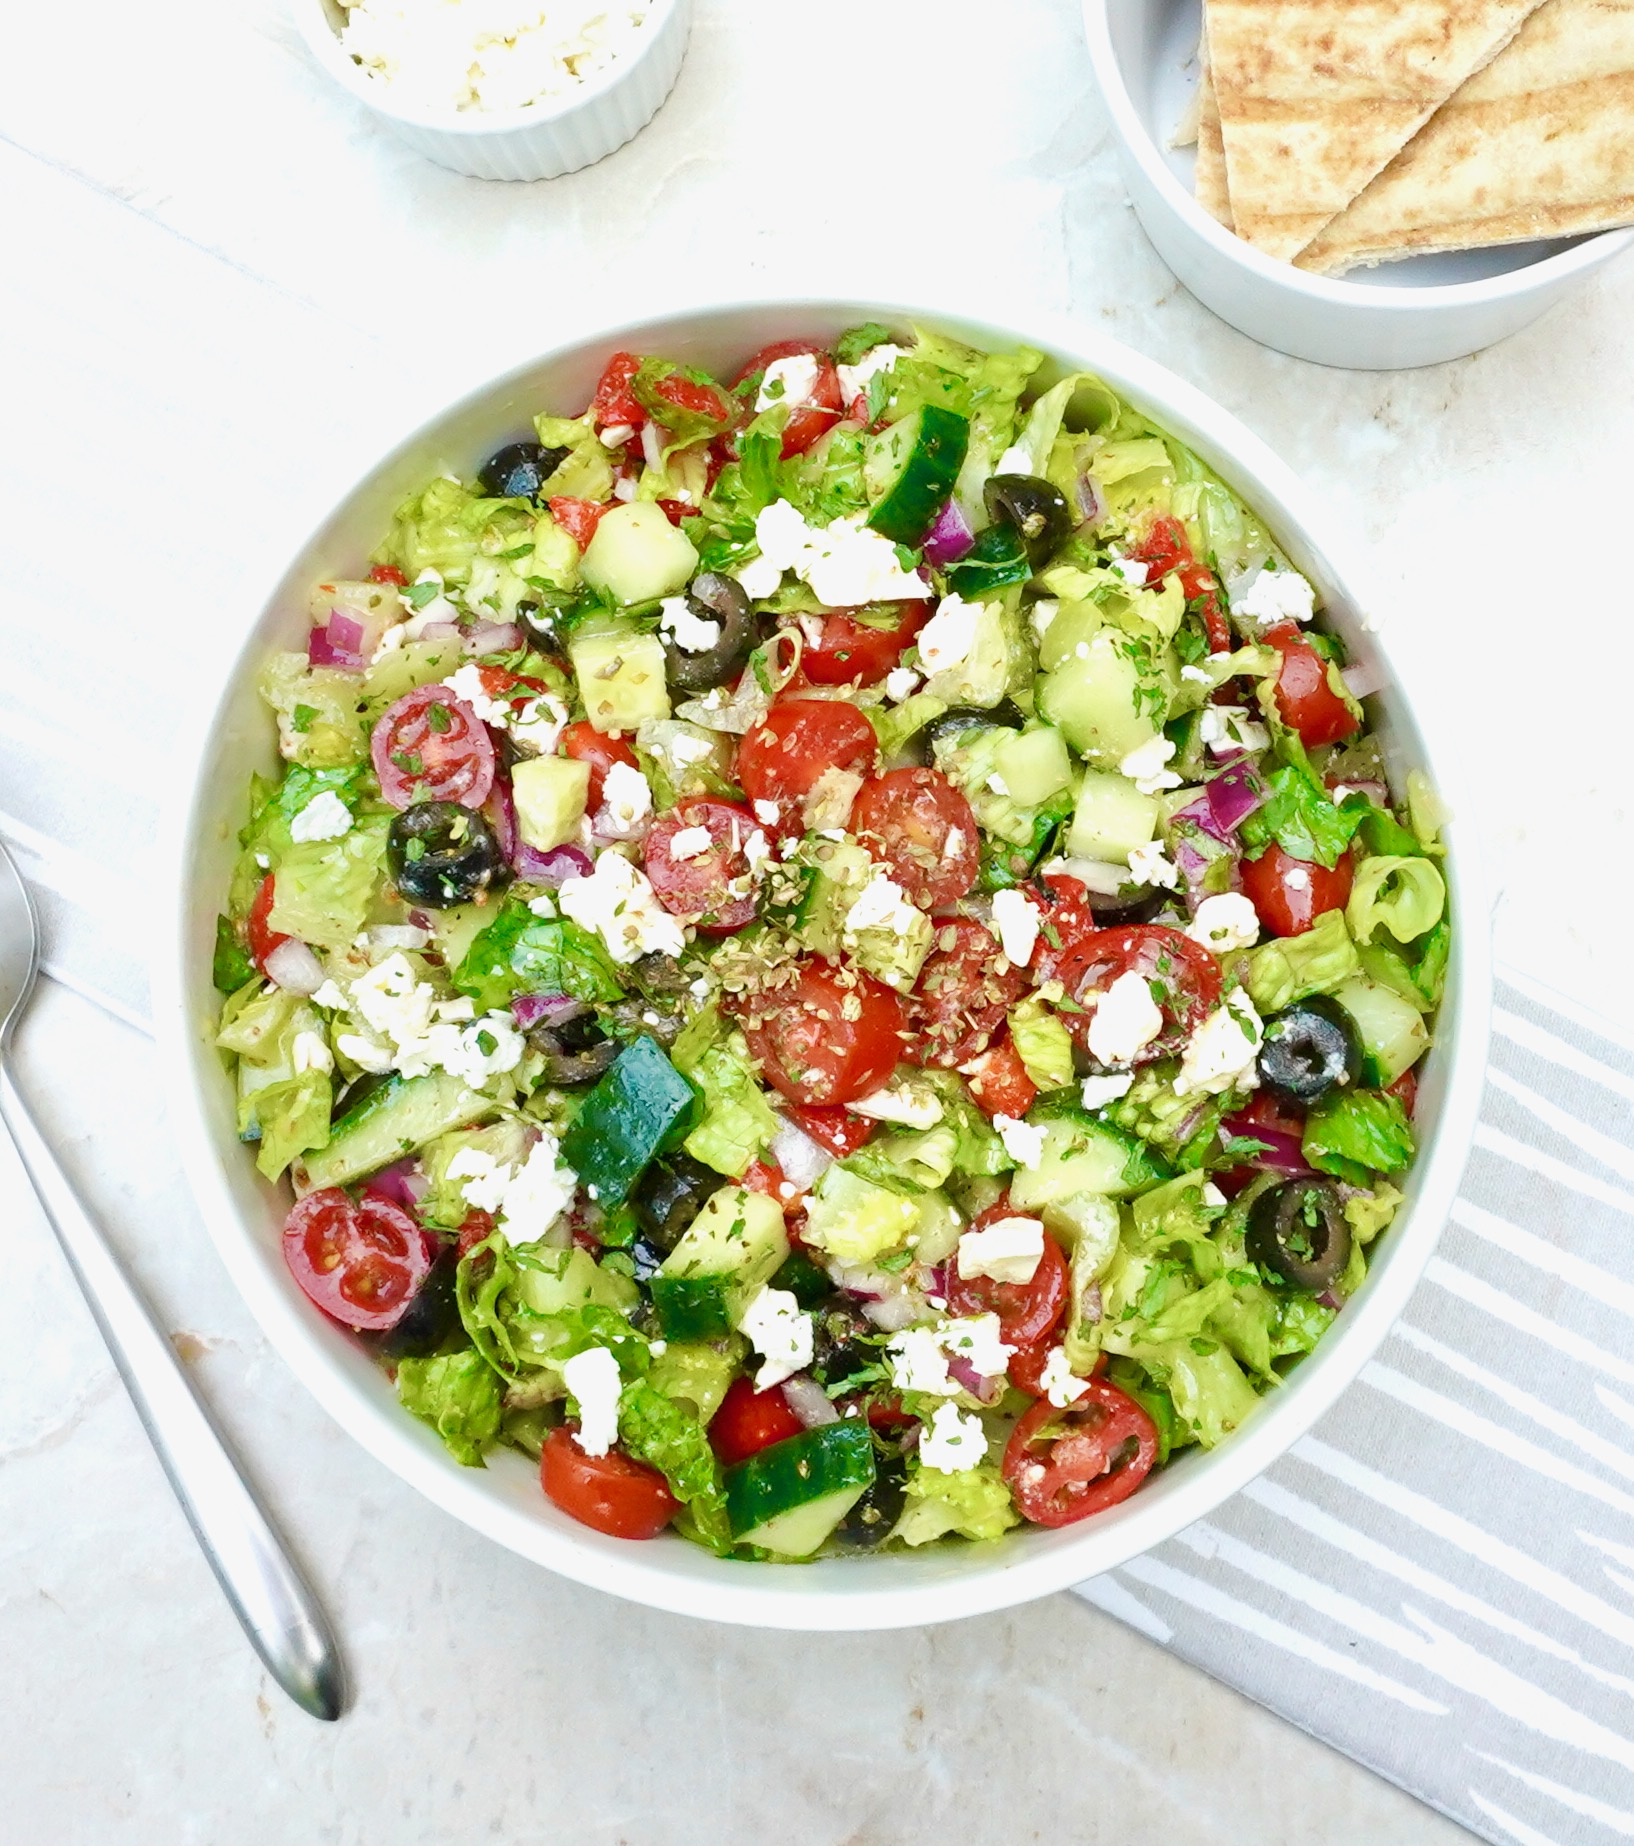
[637,556]
[1393,1033]
[1083,1155]
[789,1498]
[996,560]
[1111,819]
[738,1238]
[642,1108]
[910,470]
[394,1120]
[692,1307]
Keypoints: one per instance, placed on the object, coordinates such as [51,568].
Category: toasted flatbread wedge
[1213,193]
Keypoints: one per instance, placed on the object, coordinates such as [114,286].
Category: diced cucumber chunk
[550,794]
[983,677]
[996,560]
[1082,1155]
[394,1120]
[457,927]
[642,1108]
[910,469]
[1072,623]
[637,556]
[789,1498]
[692,1307]
[1099,698]
[1033,765]
[1112,818]
[738,1239]
[1393,1033]
[620,672]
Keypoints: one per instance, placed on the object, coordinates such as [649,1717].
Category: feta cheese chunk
[1017,459]
[918,1363]
[1099,1091]
[947,638]
[325,817]
[1061,1385]
[391,1000]
[788,381]
[1009,1251]
[363,1052]
[592,1378]
[1226,922]
[626,803]
[618,904]
[1144,766]
[1220,1055]
[1276,596]
[538,1192]
[691,843]
[483,1178]
[881,904]
[310,1051]
[1132,571]
[1151,865]
[845,564]
[1226,729]
[1017,919]
[976,1340]
[777,1329]
[759,578]
[855,379]
[955,1441]
[1023,1142]
[900,683]
[1125,1021]
[691,632]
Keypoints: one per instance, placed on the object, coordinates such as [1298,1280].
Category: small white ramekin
[541,142]
[1417,317]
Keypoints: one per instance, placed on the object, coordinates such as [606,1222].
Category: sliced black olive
[1038,511]
[1298,1230]
[803,1279]
[872,1520]
[441,853]
[575,1048]
[1131,903]
[1310,1049]
[670,1195]
[838,1350]
[721,600]
[519,470]
[962,718]
[429,1318]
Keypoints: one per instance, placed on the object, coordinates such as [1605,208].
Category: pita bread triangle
[1316,97]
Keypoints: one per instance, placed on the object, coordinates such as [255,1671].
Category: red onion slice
[323,650]
[950,538]
[1284,1152]
[809,1401]
[1091,501]
[402,1182]
[1363,678]
[551,868]
[493,638]
[965,1375]
[293,967]
[1234,794]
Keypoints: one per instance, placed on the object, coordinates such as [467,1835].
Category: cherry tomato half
[1405,1091]
[1304,697]
[388,573]
[819,411]
[921,827]
[430,746]
[585,744]
[1066,918]
[1064,1465]
[262,936]
[849,649]
[1027,1365]
[963,992]
[836,1036]
[1289,894]
[1185,974]
[749,1421]
[712,888]
[781,759]
[579,518]
[610,1493]
[1028,1311]
[999,1080]
[477,1227]
[838,1130]
[359,1260]
[614,402]
[1166,548]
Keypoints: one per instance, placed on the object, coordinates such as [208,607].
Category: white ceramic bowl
[1416,312]
[542,142]
[245,1214]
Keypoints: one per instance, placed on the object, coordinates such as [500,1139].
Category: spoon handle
[272,1601]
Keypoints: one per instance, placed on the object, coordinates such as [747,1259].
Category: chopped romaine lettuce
[294,1119]
[1354,1134]
[324,890]
[667,1434]
[521,953]
[1299,814]
[1292,968]
[1403,896]
[459,1394]
[737,1121]
[974,1504]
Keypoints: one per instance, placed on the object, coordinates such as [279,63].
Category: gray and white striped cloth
[1439,1580]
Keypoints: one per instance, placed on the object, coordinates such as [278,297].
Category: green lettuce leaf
[324,889]
[1299,815]
[1357,1133]
[531,1305]
[1293,967]
[230,966]
[293,1117]
[459,1394]
[856,342]
[974,1504]
[447,527]
[666,1434]
[1404,896]
[1043,1044]
[521,953]
[586,473]
[737,1119]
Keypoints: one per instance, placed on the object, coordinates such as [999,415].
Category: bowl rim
[1588,252]
[766,1597]
[323,41]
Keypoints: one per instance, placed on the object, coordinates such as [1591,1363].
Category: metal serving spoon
[268,1594]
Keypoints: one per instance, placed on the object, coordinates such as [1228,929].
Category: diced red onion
[1091,501]
[1090,1307]
[1376,792]
[1284,1152]
[891,1313]
[323,650]
[402,1182]
[1201,814]
[800,1158]
[965,1375]
[552,868]
[398,936]
[809,1401]
[950,538]
[529,1010]
[1234,794]
[1329,1299]
[293,967]
[1363,678]
[493,638]
[438,631]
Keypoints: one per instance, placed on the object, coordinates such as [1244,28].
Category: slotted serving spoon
[271,1599]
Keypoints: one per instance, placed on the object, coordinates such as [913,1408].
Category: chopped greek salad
[832,957]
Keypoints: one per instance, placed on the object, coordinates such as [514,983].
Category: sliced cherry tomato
[963,992]
[765,1176]
[1166,548]
[1028,1311]
[781,759]
[850,649]
[887,1414]
[1266,1110]
[263,937]
[579,518]
[1405,1091]
[749,1421]
[430,746]
[836,1036]
[477,1228]
[712,888]
[999,1080]
[1066,918]
[838,1130]
[921,827]
[1027,1366]
[1185,973]
[1304,697]
[676,510]
[1289,894]
[359,1260]
[614,402]
[585,744]
[693,399]
[1064,1465]
[387,573]
[610,1493]
[822,406]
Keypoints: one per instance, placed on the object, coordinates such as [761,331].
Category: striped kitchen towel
[1439,1580]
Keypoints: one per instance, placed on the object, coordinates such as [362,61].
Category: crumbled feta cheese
[310,1051]
[685,748]
[1226,922]
[482,1178]
[1017,459]
[783,1336]
[535,1193]
[903,1099]
[918,1363]
[620,906]
[998,785]
[759,578]
[1099,1091]
[1151,865]
[330,997]
[757,849]
[1220,1055]
[626,803]
[976,1339]
[392,1000]
[1023,1141]
[1226,729]
[1045,610]
[1132,571]
[1125,1021]
[827,804]
[1144,766]
[845,564]
[955,1442]
[592,1378]
[1276,596]
[690,843]
[947,638]
[767,813]
[467,686]
[854,379]
[363,1052]
[1212,1195]
[1009,1251]
[900,684]
[1199,676]
[788,381]
[489,1047]
[1017,919]
[616,435]
[1297,878]
[881,904]
[1060,1385]
[544,905]
[325,817]
[680,623]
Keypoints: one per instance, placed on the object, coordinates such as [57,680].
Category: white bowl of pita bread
[1376,187]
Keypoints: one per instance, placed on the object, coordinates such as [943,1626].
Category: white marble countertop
[227,292]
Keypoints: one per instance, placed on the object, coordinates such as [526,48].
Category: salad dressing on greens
[831,956]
